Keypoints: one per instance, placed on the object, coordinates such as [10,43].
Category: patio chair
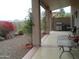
[65,44]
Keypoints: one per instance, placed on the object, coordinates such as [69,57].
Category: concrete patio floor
[49,49]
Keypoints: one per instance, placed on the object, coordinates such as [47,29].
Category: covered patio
[49,6]
[51,37]
[49,48]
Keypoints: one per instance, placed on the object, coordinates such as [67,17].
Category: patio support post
[47,21]
[50,19]
[36,33]
[75,14]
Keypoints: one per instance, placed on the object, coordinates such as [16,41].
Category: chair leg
[66,51]
[72,55]
[61,53]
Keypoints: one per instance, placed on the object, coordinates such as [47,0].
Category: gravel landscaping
[14,48]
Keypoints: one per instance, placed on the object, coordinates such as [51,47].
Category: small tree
[27,29]
[43,22]
[28,26]
[62,12]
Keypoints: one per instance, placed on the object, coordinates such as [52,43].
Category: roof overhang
[55,4]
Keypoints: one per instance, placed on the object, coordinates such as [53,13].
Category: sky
[15,9]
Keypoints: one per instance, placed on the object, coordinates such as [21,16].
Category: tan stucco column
[36,33]
[48,21]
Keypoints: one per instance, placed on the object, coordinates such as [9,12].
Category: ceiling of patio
[56,4]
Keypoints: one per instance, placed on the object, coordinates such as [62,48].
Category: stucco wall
[64,20]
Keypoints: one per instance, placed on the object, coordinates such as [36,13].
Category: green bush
[28,27]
